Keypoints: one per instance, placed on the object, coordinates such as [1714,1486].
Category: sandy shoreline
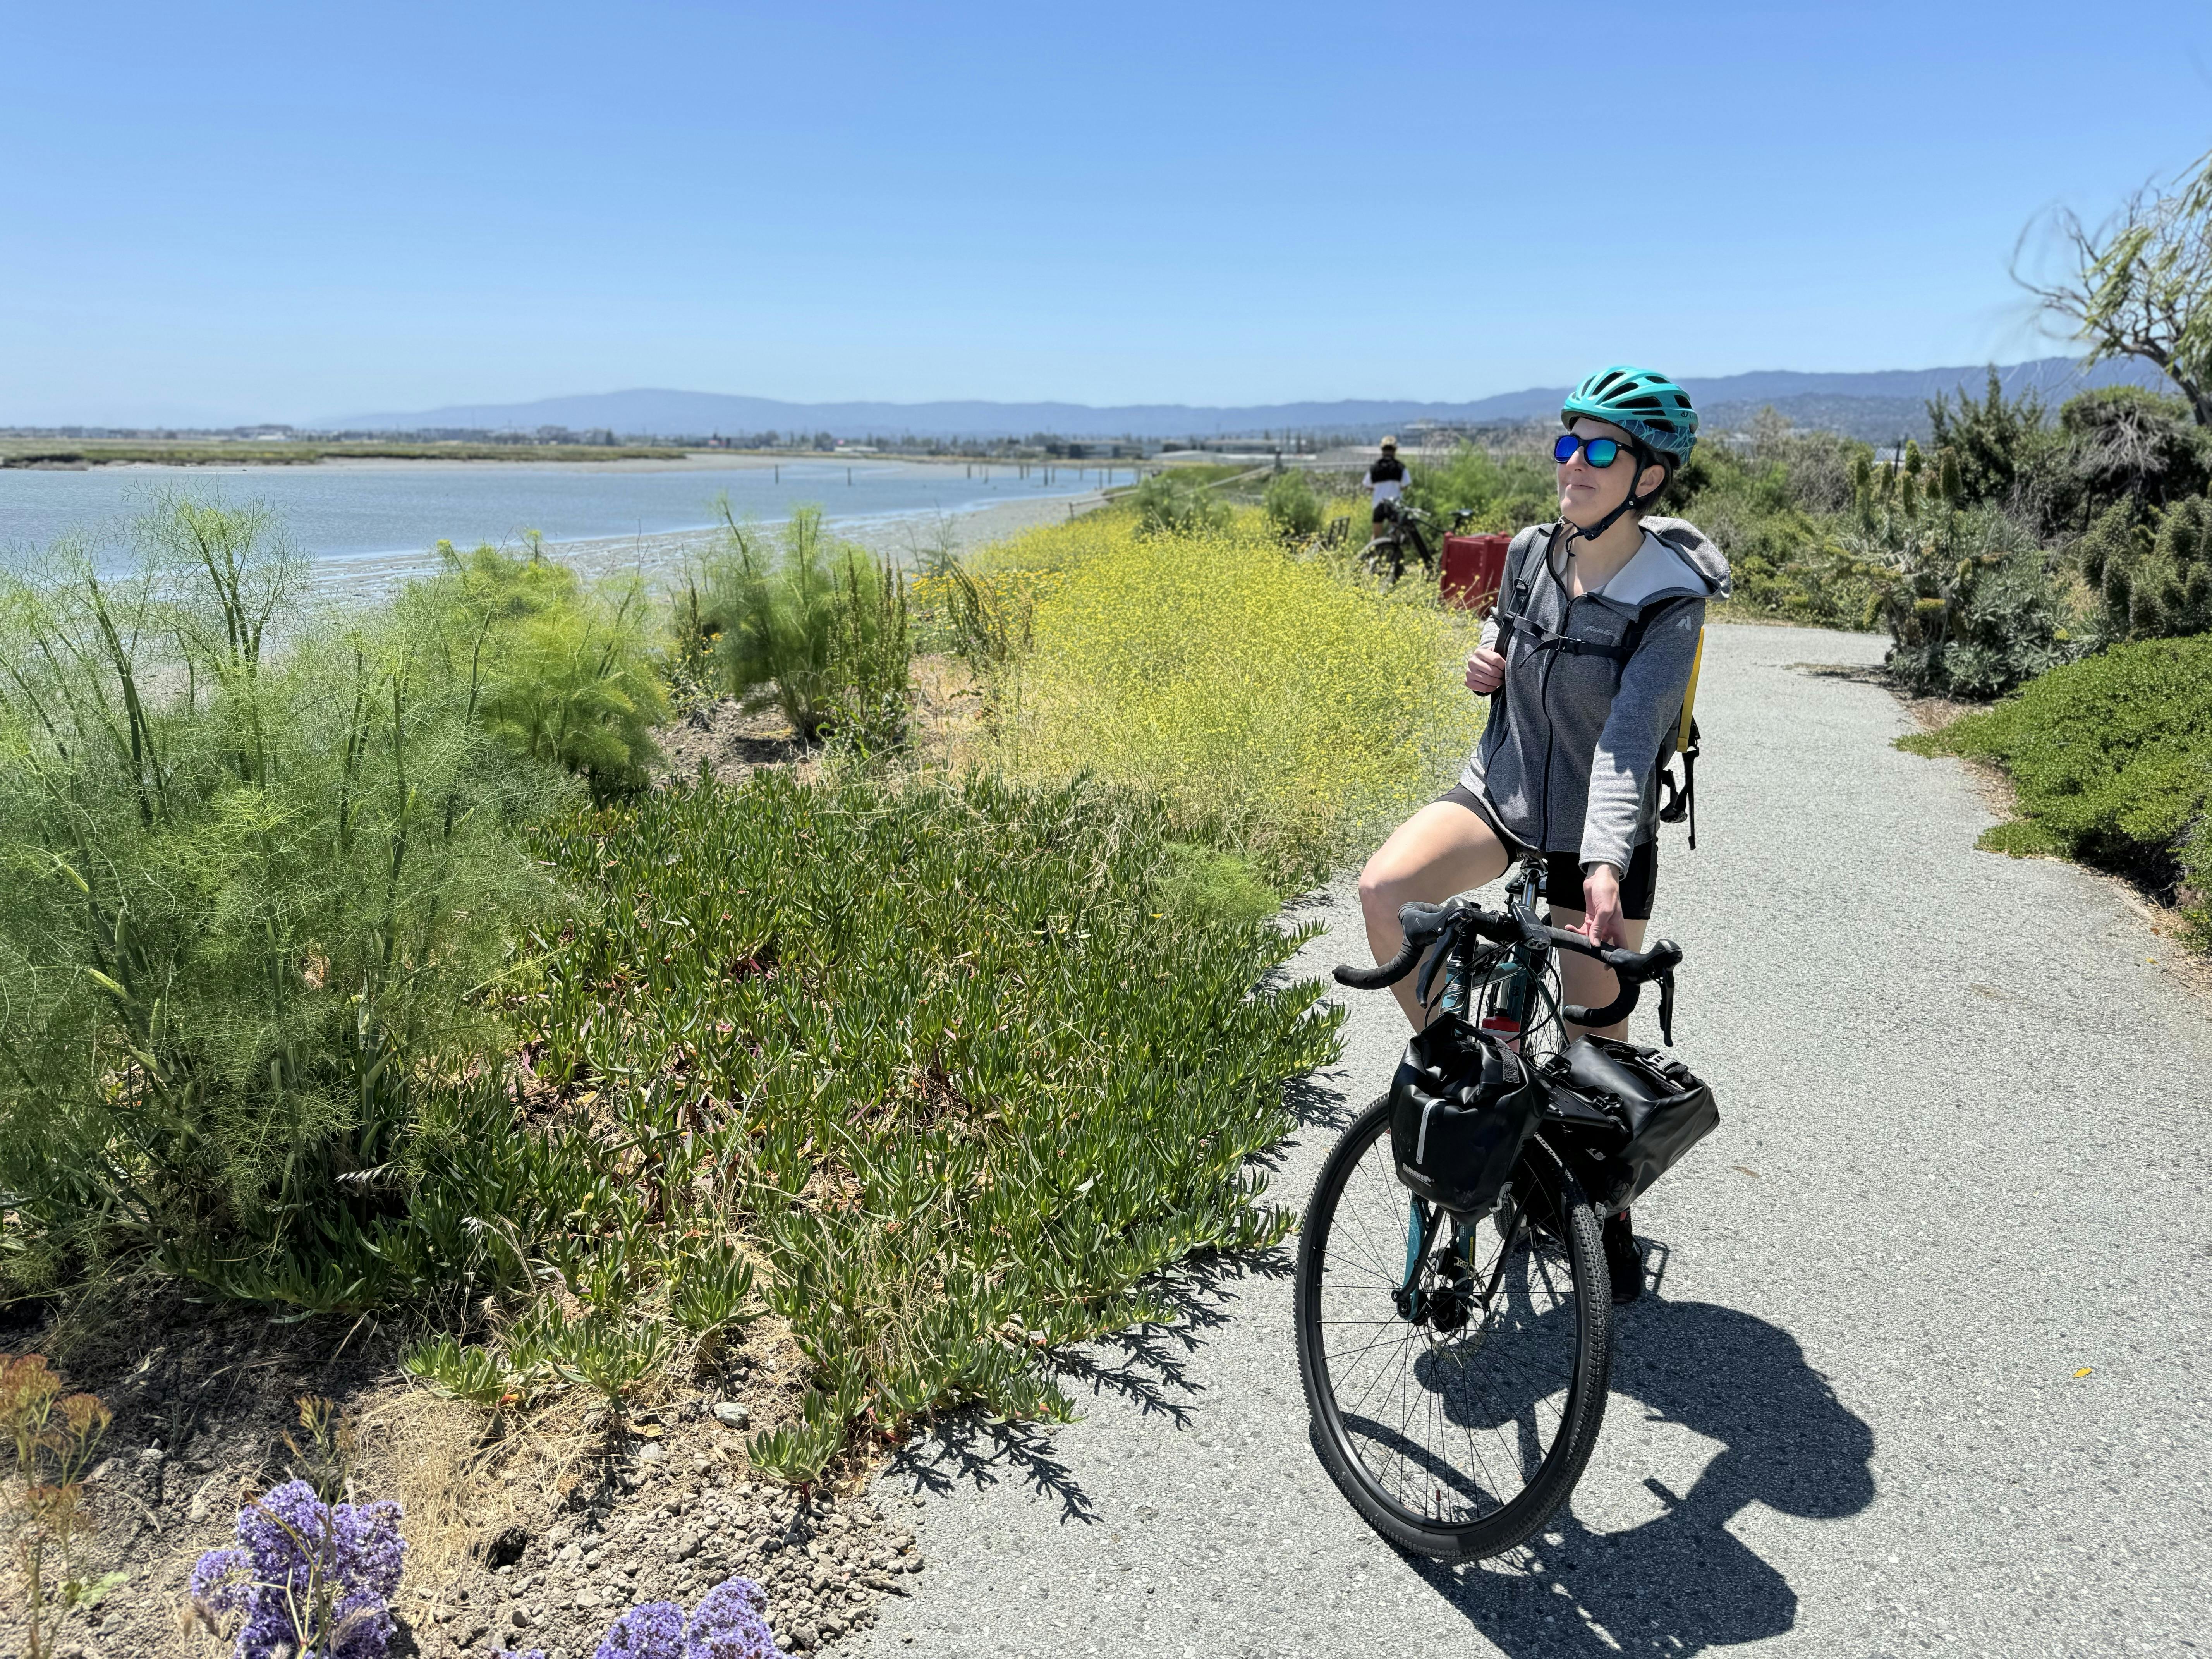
[901,537]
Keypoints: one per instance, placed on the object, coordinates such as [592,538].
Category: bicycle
[1405,525]
[1328,539]
[1487,1338]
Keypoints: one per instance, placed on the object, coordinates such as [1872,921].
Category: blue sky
[238,212]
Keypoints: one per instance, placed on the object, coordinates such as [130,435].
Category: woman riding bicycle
[1586,660]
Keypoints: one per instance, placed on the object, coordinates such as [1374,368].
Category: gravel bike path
[1965,1136]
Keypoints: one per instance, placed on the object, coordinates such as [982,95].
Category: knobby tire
[1570,1242]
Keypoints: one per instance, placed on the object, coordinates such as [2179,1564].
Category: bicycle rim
[1452,1441]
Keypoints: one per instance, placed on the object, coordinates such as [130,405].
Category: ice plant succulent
[314,1580]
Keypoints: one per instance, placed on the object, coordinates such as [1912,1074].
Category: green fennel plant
[816,627]
[556,671]
[244,892]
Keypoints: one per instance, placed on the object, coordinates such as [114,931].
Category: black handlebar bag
[1461,1107]
[1654,1110]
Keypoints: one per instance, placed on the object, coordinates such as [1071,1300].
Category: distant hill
[1873,405]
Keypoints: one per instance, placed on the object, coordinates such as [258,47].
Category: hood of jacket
[1677,559]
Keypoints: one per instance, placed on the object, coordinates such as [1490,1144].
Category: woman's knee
[1382,886]
[1441,850]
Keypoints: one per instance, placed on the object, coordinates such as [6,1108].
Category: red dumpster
[1473,570]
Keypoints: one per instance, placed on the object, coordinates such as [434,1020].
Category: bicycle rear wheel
[1457,1431]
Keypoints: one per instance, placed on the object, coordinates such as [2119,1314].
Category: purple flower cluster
[652,1631]
[222,1583]
[730,1622]
[314,1579]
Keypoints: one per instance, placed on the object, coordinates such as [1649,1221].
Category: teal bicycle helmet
[1652,410]
[1649,407]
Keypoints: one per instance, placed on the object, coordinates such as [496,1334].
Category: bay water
[352,517]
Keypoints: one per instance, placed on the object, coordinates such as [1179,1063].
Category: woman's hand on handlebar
[1485,671]
[1601,922]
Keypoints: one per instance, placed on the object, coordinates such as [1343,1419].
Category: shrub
[1503,492]
[1169,503]
[242,896]
[2126,444]
[556,671]
[2153,581]
[1274,708]
[2001,446]
[1770,508]
[1291,504]
[2112,760]
[818,628]
[1971,603]
[1816,465]
[308,1577]
[1755,512]
[965,1072]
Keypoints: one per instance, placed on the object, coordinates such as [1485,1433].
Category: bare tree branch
[2142,284]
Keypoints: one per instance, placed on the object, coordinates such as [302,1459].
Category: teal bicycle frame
[1500,1001]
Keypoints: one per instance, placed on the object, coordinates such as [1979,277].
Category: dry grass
[457,1488]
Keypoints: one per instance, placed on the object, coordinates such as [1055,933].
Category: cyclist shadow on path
[1681,1583]
[1148,1366]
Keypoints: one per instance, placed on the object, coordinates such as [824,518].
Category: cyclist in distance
[1387,479]
[1585,660]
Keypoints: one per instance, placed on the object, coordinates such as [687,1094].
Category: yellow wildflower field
[1272,703]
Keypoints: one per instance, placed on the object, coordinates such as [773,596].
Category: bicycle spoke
[1451,1423]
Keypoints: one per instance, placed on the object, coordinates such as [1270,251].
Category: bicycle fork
[1421,1219]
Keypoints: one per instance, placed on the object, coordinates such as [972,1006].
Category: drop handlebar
[1424,924]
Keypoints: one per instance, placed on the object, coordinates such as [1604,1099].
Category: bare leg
[1582,980]
[1443,849]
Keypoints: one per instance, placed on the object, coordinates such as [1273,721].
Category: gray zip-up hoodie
[1569,761]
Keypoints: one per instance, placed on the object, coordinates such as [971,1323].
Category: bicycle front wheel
[1456,1376]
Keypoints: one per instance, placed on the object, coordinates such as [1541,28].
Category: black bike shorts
[1563,872]
[1385,511]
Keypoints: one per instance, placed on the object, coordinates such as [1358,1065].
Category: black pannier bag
[1461,1107]
[1628,1112]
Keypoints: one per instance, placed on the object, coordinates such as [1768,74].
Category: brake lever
[1667,1009]
[1447,942]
